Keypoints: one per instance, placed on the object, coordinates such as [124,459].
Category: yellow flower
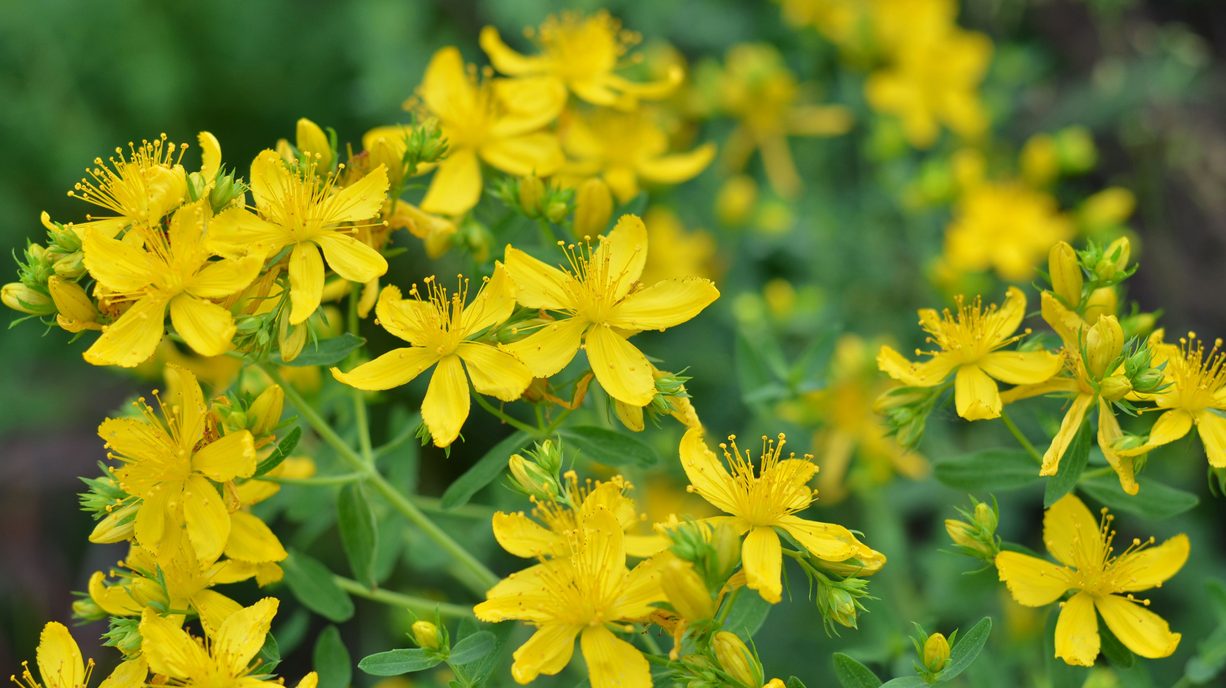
[968,342]
[758,91]
[601,306]
[759,501]
[626,149]
[583,54]
[1004,227]
[1100,581]
[224,662]
[60,664]
[137,188]
[498,121]
[303,209]
[582,595]
[442,330]
[1196,396]
[172,465]
[524,537]
[677,252]
[934,82]
[156,272]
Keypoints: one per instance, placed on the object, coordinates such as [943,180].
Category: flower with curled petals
[60,665]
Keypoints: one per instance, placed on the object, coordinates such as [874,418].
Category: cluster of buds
[260,415]
[975,533]
[713,551]
[1104,266]
[839,600]
[906,411]
[535,473]
[536,199]
[110,505]
[47,278]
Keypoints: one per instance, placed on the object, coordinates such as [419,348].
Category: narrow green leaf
[325,352]
[1113,649]
[1153,499]
[967,648]
[397,662]
[312,583]
[905,682]
[852,674]
[331,659]
[748,613]
[473,648]
[988,470]
[608,446]
[282,452]
[485,471]
[1071,465]
[359,537]
[794,682]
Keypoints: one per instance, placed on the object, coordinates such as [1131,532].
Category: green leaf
[760,368]
[852,674]
[905,682]
[270,653]
[359,538]
[485,471]
[794,682]
[967,648]
[988,470]
[474,648]
[325,352]
[1210,657]
[282,452]
[331,659]
[313,584]
[608,446]
[397,662]
[747,615]
[1153,500]
[1071,465]
[1113,649]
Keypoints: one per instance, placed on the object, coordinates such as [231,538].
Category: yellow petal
[270,180]
[1005,321]
[1065,322]
[1071,532]
[237,232]
[445,407]
[314,142]
[359,201]
[1072,422]
[1150,567]
[674,169]
[1021,367]
[150,526]
[224,277]
[120,266]
[227,458]
[492,305]
[529,104]
[306,281]
[1139,629]
[621,255]
[1170,426]
[130,673]
[706,473]
[114,600]
[620,367]
[168,648]
[242,635]
[214,608]
[210,155]
[1033,582]
[1212,430]
[762,556]
[186,404]
[393,369]
[412,320]
[551,348]
[522,595]
[629,415]
[613,662]
[494,372]
[534,153]
[208,521]
[523,537]
[826,541]
[1108,433]
[641,588]
[538,285]
[975,394]
[506,60]
[456,186]
[206,327]
[664,304]
[311,680]
[927,374]
[1077,638]
[547,652]
[446,87]
[350,258]
[136,439]
[132,339]
[59,659]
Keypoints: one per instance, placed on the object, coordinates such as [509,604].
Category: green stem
[727,607]
[481,578]
[1021,439]
[504,417]
[418,605]
[318,481]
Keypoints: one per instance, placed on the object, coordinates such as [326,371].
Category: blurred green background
[77,79]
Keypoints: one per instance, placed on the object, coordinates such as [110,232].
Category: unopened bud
[1066,277]
[1103,301]
[593,207]
[1114,260]
[1148,380]
[265,412]
[736,199]
[531,193]
[1076,149]
[685,590]
[314,143]
[530,479]
[1104,343]
[224,191]
[426,635]
[555,211]
[548,455]
[70,266]
[118,525]
[290,338]
[76,310]
[841,607]
[936,652]
[1040,159]
[736,659]
[21,298]
[86,609]
[1115,388]
[985,517]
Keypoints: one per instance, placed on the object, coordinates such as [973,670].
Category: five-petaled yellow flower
[60,665]
[1099,579]
[164,271]
[583,53]
[304,210]
[968,342]
[759,501]
[442,330]
[601,303]
[172,464]
[499,121]
[583,594]
[138,188]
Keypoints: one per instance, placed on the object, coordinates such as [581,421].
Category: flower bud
[1115,387]
[555,210]
[265,412]
[685,590]
[1040,160]
[86,609]
[1106,209]
[548,455]
[290,338]
[1114,260]
[1103,301]
[426,635]
[985,517]
[530,479]
[1104,343]
[531,192]
[1148,380]
[76,311]
[1065,270]
[1076,149]
[21,298]
[936,652]
[736,659]
[841,607]
[118,525]
[593,208]
[225,190]
[736,199]
[314,143]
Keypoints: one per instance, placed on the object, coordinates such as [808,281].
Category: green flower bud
[936,652]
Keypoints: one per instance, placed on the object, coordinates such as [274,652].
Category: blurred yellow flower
[676,252]
[1005,227]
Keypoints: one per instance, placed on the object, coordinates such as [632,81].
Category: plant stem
[418,605]
[1021,439]
[504,417]
[318,481]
